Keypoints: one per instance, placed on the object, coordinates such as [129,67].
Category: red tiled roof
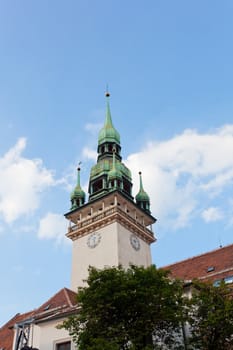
[59,305]
[219,262]
[63,298]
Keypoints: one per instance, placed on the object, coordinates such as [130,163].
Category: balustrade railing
[107,212]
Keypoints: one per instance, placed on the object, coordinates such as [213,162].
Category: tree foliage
[143,309]
[126,309]
[211,317]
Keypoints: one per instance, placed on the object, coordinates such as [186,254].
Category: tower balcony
[113,207]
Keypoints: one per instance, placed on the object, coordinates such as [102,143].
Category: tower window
[98,185]
[126,187]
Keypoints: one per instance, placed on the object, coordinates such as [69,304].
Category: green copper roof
[77,192]
[109,172]
[115,172]
[142,196]
[108,133]
[104,167]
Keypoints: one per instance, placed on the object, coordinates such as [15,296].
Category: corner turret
[77,196]
[142,198]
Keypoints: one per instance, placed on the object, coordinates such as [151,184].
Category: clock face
[93,240]
[135,243]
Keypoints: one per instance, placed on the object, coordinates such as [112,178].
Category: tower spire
[108,119]
[108,133]
[109,173]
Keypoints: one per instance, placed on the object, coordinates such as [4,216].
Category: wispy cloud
[212,214]
[185,171]
[22,181]
[89,153]
[184,177]
[53,226]
[93,128]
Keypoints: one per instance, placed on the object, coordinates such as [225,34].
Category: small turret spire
[140,179]
[78,195]
[142,198]
[78,176]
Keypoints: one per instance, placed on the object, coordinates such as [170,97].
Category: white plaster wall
[114,249]
[104,254]
[46,335]
[127,254]
[35,336]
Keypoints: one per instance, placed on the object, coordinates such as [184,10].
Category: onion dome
[142,198]
[108,133]
[77,195]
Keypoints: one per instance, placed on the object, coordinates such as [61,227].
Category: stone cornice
[107,217]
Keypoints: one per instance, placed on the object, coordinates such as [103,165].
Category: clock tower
[110,229]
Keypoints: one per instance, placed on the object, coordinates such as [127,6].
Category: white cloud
[89,153]
[53,226]
[180,173]
[22,181]
[93,128]
[212,214]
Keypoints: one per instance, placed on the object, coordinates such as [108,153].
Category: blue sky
[169,69]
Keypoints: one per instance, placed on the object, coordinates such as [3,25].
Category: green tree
[211,317]
[126,309]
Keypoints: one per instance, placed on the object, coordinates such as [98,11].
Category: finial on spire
[107,94]
[79,168]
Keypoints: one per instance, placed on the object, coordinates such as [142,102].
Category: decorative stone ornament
[135,243]
[94,239]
